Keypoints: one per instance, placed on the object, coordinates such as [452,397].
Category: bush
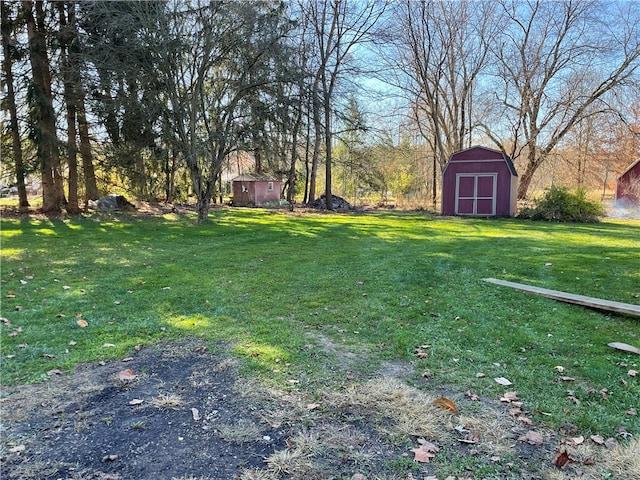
[561,205]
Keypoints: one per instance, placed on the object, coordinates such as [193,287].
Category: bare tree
[338,26]
[440,49]
[557,62]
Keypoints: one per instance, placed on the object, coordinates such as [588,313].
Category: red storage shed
[256,190]
[479,181]
[628,187]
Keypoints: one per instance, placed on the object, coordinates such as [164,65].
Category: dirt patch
[182,411]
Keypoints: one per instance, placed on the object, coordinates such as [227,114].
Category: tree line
[358,94]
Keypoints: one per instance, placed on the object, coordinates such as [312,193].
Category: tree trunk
[90,185]
[72,153]
[328,140]
[67,68]
[23,202]
[46,141]
[525,179]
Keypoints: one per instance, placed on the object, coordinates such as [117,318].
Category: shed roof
[254,177]
[491,151]
[629,168]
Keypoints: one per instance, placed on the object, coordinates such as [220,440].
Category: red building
[628,187]
[256,190]
[479,181]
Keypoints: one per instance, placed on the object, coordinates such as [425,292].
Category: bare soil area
[182,411]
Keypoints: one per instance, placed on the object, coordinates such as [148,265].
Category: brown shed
[628,187]
[256,190]
[479,181]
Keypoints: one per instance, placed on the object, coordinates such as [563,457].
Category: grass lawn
[298,294]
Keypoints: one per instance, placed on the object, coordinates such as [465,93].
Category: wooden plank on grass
[591,302]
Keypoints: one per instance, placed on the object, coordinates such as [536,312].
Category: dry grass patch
[257,474]
[167,401]
[240,432]
[291,461]
[619,463]
[411,411]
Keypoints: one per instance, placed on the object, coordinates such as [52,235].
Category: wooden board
[625,347]
[591,302]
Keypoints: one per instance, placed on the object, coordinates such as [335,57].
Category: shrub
[561,205]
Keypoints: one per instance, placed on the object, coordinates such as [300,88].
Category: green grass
[378,285]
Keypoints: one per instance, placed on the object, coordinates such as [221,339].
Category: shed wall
[455,183]
[628,187]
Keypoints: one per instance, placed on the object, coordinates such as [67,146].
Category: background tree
[436,53]
[10,52]
[221,60]
[43,124]
[338,26]
[557,62]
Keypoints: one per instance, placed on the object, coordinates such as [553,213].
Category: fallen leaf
[48,355]
[312,406]
[469,438]
[66,287]
[509,397]
[427,374]
[78,315]
[11,294]
[480,375]
[425,452]
[18,308]
[59,315]
[108,345]
[127,359]
[73,342]
[136,401]
[567,379]
[23,282]
[17,449]
[524,420]
[571,396]
[559,368]
[631,411]
[15,332]
[632,373]
[471,396]
[562,459]
[503,381]
[53,372]
[576,440]
[127,375]
[532,438]
[109,458]
[611,443]
[82,323]
[195,414]
[597,439]
[446,404]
